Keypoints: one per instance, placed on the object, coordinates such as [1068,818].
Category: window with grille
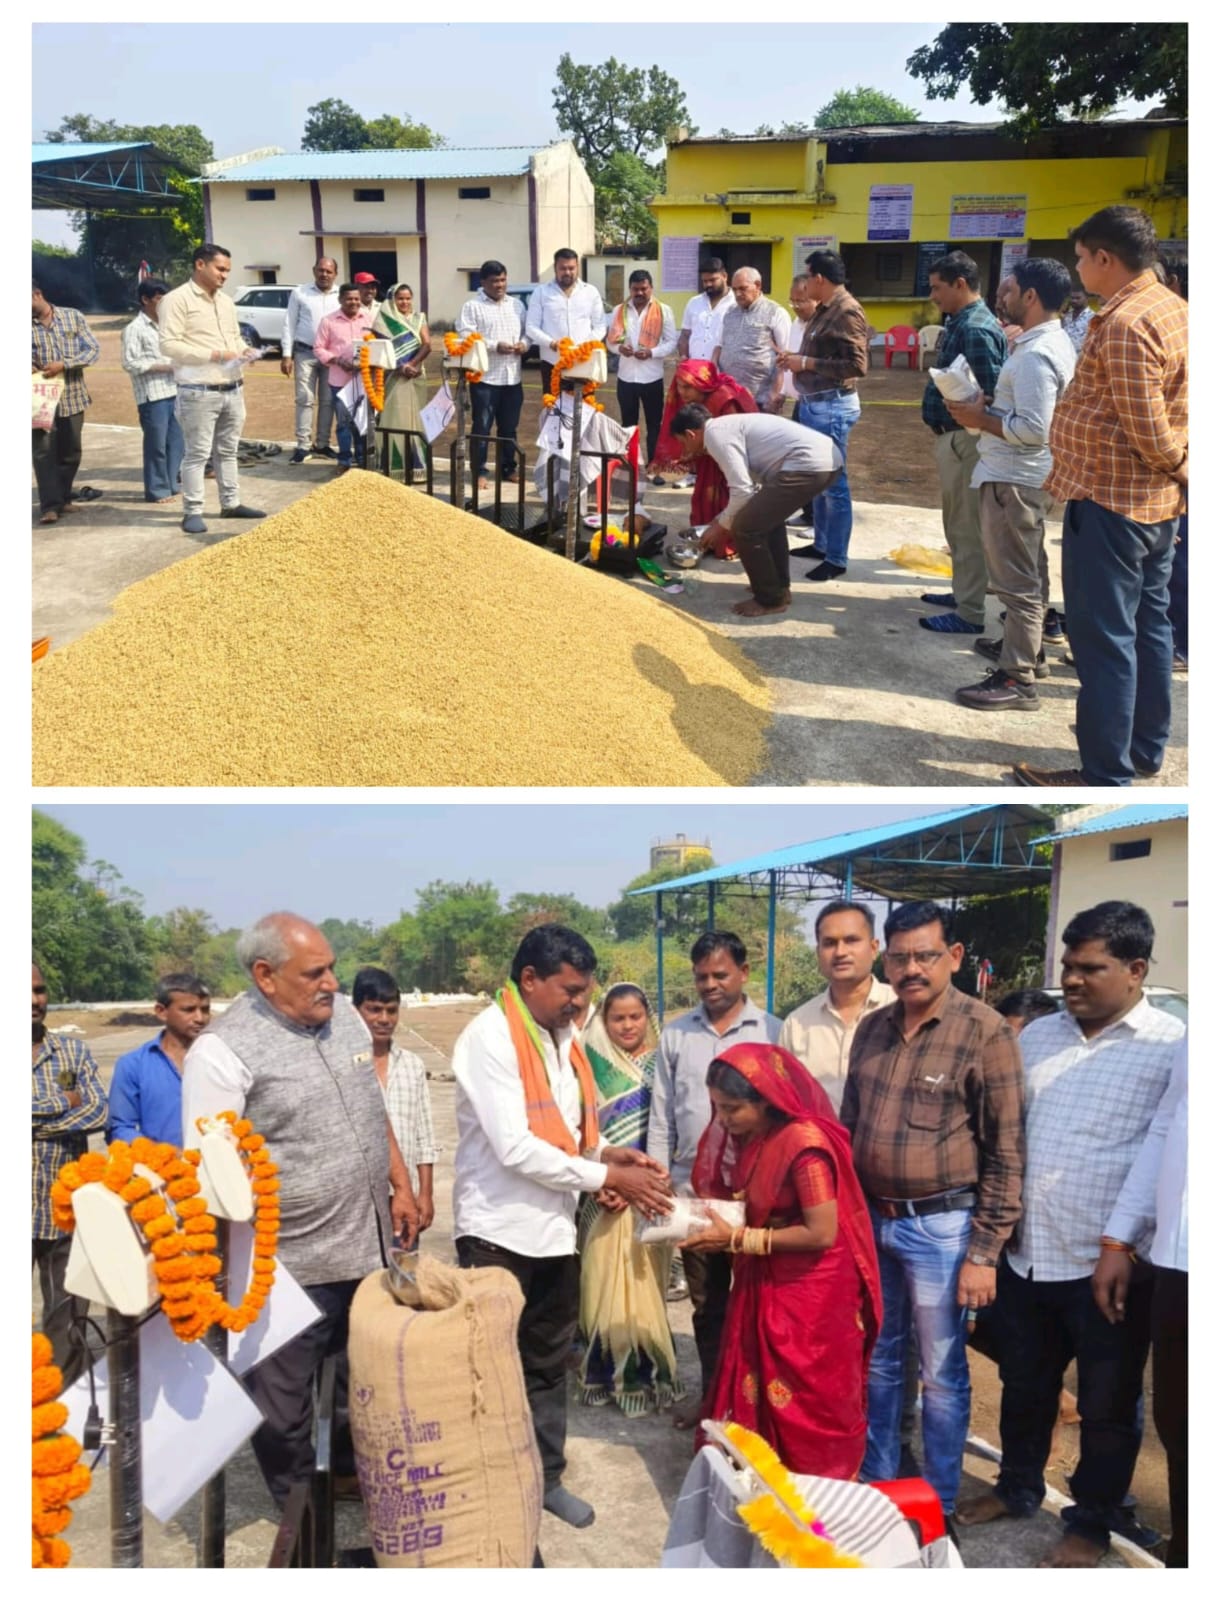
[260,194]
[888,266]
[1131,850]
[739,217]
[479,192]
[370,194]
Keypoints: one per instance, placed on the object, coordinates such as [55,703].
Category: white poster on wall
[806,244]
[1012,250]
[680,263]
[891,207]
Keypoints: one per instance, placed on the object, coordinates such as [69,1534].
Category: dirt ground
[891,451]
[431,1032]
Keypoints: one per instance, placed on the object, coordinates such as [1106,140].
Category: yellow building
[689,854]
[1136,853]
[893,198]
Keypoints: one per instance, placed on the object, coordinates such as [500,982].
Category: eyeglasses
[922,958]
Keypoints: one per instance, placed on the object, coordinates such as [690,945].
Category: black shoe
[297,456]
[939,600]
[807,550]
[194,524]
[825,571]
[951,1531]
[999,692]
[799,519]
[1145,772]
[1052,627]
[324,450]
[991,649]
[246,513]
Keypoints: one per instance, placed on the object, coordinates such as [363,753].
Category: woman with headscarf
[629,1357]
[408,328]
[805,1304]
[723,396]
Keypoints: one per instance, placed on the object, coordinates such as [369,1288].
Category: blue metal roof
[1120,817]
[66,152]
[989,843]
[504,161]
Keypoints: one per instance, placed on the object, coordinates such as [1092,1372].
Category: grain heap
[370,635]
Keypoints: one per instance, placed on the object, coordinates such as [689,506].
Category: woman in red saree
[723,396]
[805,1305]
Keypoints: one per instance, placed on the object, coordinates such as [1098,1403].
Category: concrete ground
[862,694]
[629,1469]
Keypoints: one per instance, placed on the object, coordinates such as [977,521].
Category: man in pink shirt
[337,347]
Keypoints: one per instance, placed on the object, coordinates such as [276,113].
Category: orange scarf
[544,1116]
[652,325]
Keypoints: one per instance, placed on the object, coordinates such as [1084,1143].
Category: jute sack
[449,1469]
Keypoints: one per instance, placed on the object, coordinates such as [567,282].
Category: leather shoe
[246,513]
[825,571]
[807,550]
[1047,778]
[194,524]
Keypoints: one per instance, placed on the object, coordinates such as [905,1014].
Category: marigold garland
[265,1184]
[455,348]
[57,1473]
[372,378]
[572,355]
[780,1519]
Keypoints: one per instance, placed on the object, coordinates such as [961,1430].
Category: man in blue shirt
[146,1090]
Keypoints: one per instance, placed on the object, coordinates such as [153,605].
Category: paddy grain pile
[370,635]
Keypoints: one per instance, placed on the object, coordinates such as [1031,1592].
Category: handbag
[48,392]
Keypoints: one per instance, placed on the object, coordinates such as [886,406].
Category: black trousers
[282,1389]
[50,1256]
[56,460]
[709,1279]
[545,369]
[761,536]
[1039,1328]
[1169,1395]
[551,1286]
[501,404]
[631,396]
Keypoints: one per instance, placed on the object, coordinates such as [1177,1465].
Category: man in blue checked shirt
[146,1090]
[68,1105]
[62,348]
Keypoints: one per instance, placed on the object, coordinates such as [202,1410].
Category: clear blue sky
[240,861]
[249,84]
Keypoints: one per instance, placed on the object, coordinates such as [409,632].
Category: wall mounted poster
[680,264]
[807,244]
[987,216]
[1012,250]
[890,209]
[925,255]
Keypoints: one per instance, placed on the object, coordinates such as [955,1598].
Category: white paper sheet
[287,1312]
[438,413]
[194,1415]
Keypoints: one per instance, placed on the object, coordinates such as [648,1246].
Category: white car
[260,312]
[1159,998]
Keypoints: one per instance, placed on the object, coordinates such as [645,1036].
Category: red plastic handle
[919,1503]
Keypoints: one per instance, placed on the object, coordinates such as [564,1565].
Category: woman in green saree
[408,328]
[629,1357]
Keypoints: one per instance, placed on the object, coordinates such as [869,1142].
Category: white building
[426,217]
[1135,853]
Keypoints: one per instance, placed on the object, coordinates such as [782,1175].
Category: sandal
[89,494]
[47,518]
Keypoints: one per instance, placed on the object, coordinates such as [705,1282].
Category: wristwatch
[977,1260]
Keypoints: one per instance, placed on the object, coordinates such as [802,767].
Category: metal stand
[212,1520]
[574,479]
[457,481]
[126,1475]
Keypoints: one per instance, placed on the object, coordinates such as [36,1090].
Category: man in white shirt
[642,334]
[754,332]
[1095,1073]
[498,396]
[152,379]
[563,309]
[819,1033]
[703,317]
[1077,318]
[528,1148]
[792,466]
[307,305]
[1154,1196]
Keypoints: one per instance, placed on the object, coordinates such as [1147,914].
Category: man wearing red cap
[368,286]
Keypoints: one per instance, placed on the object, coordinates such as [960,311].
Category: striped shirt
[142,354]
[67,339]
[974,333]
[61,1131]
[940,1111]
[1120,429]
[500,322]
[1088,1105]
[409,1107]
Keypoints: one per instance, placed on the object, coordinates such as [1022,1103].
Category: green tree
[89,932]
[333,125]
[41,248]
[400,950]
[1042,71]
[621,194]
[388,132]
[858,107]
[457,921]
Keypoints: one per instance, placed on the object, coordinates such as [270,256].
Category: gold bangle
[770,1239]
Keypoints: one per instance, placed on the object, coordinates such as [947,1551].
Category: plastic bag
[687,1217]
[922,558]
[48,392]
[958,383]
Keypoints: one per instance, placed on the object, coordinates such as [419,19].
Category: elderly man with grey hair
[292,1055]
[753,335]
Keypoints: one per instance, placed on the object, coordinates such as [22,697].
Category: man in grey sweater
[292,1055]
[790,465]
[1014,462]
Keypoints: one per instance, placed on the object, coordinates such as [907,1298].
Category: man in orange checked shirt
[1118,442]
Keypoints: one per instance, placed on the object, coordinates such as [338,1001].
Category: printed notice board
[680,263]
[1012,250]
[806,245]
[987,216]
[925,255]
[890,209]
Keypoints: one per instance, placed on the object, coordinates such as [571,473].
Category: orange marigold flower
[61,1195]
[243,1127]
[141,1148]
[196,1207]
[146,1210]
[46,1382]
[135,1189]
[92,1166]
[159,1227]
[55,1455]
[36,1559]
[252,1141]
[70,1176]
[265,1185]
[184,1188]
[42,1351]
[193,1156]
[48,1418]
[199,1224]
[56,1553]
[180,1269]
[207,1266]
[65,1486]
[166,1249]
[49,1523]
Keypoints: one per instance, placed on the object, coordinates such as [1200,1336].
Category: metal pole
[660,928]
[457,489]
[711,907]
[123,1453]
[771,942]
[848,882]
[212,1521]
[574,481]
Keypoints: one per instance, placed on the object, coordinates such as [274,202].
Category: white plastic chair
[929,338]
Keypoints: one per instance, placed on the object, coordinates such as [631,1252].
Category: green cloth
[402,394]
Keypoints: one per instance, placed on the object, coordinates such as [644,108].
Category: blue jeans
[834,415]
[920,1258]
[345,433]
[163,448]
[1116,597]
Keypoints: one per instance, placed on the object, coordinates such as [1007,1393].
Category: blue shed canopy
[120,178]
[1120,817]
[972,850]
